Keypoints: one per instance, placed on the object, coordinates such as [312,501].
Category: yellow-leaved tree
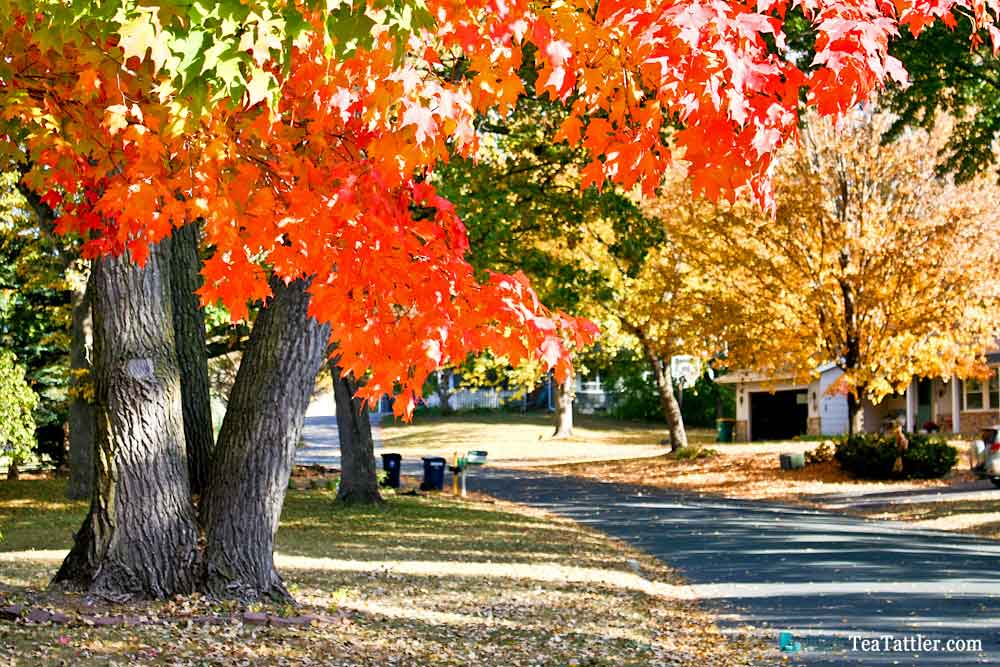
[873,260]
[649,299]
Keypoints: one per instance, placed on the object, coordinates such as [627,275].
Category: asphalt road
[832,581]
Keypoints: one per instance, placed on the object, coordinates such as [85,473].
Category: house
[590,395]
[777,407]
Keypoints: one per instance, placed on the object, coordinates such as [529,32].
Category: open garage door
[779,416]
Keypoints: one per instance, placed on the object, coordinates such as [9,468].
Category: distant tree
[594,253]
[358,477]
[873,260]
[41,281]
[951,72]
[520,194]
[17,408]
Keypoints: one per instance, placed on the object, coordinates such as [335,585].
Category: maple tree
[301,136]
[873,261]
[130,137]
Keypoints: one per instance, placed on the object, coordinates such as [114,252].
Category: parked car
[984,455]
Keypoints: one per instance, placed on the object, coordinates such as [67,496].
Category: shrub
[929,457]
[691,453]
[872,456]
[822,454]
[867,455]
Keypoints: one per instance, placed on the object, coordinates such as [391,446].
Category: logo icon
[787,643]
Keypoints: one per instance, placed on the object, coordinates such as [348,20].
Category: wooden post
[911,402]
[956,406]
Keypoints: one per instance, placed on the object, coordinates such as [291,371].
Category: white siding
[833,408]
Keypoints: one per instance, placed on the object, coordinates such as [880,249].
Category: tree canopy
[873,261]
[301,135]
[952,70]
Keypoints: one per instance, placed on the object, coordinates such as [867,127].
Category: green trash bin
[724,430]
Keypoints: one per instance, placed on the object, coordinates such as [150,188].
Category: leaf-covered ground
[419,581]
[751,471]
[979,516]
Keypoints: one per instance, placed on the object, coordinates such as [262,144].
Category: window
[982,395]
[973,394]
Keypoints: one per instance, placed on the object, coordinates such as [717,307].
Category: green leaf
[348,31]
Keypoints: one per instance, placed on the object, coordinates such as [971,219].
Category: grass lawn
[516,439]
[419,581]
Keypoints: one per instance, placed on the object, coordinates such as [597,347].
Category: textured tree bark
[855,413]
[192,353]
[140,539]
[82,417]
[358,479]
[564,408]
[668,400]
[256,446]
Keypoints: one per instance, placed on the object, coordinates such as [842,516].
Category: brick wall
[974,422]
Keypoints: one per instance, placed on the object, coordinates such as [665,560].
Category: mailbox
[475,457]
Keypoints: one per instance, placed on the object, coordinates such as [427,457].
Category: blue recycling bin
[390,464]
[433,473]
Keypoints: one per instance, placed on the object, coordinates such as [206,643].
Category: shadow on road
[826,578]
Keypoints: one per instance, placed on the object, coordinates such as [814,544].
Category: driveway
[831,580]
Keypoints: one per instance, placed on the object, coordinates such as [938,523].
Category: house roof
[741,376]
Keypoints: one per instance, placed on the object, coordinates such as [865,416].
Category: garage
[780,415]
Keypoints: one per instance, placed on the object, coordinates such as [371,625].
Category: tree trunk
[13,472]
[564,408]
[82,417]
[140,538]
[358,480]
[855,414]
[444,391]
[668,400]
[192,353]
[256,446]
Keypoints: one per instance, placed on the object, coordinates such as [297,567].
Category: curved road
[832,581]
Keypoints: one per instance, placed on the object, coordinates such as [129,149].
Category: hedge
[872,456]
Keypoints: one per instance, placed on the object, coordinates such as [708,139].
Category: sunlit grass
[417,581]
[526,439]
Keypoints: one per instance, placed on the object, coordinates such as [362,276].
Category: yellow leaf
[114,118]
[259,87]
